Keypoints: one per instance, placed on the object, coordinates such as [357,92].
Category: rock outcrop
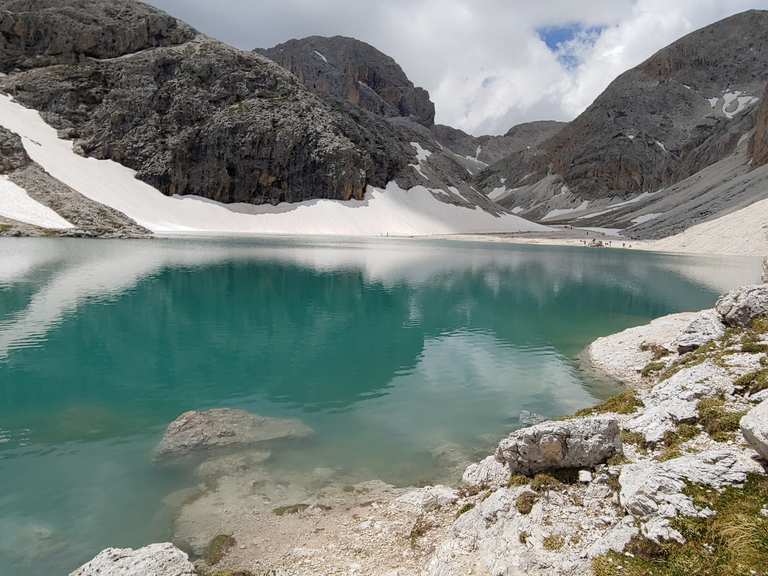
[705,328]
[489,149]
[153,560]
[191,115]
[351,70]
[653,492]
[39,33]
[225,427]
[759,144]
[90,218]
[581,442]
[741,306]
[754,427]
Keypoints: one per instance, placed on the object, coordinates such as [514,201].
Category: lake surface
[394,352]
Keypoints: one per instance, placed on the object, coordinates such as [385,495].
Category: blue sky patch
[568,40]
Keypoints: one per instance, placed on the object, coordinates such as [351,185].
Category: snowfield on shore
[392,212]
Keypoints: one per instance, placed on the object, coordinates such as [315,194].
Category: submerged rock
[739,307]
[561,444]
[225,427]
[153,560]
[754,427]
[705,328]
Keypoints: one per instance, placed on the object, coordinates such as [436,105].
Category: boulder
[429,498]
[754,427]
[153,560]
[487,472]
[739,307]
[576,443]
[225,427]
[705,328]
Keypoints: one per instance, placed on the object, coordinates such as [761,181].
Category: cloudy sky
[488,64]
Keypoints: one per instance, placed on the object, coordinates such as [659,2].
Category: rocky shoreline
[671,473]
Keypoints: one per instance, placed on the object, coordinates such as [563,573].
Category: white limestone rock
[676,400]
[488,472]
[739,307]
[754,427]
[429,498]
[225,427]
[153,560]
[577,443]
[653,491]
[704,328]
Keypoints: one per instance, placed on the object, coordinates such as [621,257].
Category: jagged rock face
[192,118]
[739,307]
[35,33]
[12,153]
[490,149]
[354,71]
[759,145]
[681,110]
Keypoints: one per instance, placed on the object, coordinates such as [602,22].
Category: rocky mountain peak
[685,108]
[351,70]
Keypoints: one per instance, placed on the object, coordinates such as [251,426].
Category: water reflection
[394,352]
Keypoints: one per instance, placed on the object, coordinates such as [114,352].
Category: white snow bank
[321,56]
[558,212]
[734,102]
[647,218]
[16,204]
[393,212]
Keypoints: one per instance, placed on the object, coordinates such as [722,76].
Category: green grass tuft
[525,502]
[218,547]
[718,422]
[553,542]
[625,403]
[734,542]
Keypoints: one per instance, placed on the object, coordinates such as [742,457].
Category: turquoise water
[390,350]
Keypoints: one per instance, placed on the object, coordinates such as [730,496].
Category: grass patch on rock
[718,422]
[525,501]
[553,542]
[673,440]
[753,382]
[652,368]
[218,547]
[517,480]
[419,529]
[464,509]
[658,352]
[545,482]
[734,542]
[625,403]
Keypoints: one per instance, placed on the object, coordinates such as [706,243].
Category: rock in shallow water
[573,443]
[754,427]
[225,427]
[153,560]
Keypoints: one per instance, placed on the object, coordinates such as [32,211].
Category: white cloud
[482,60]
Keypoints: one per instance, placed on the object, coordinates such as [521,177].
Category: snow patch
[558,212]
[734,103]
[16,204]
[321,56]
[661,145]
[647,218]
[392,211]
